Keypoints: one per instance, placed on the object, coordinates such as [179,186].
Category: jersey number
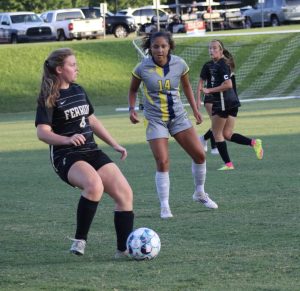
[82,123]
[166,86]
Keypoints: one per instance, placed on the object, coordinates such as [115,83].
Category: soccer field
[250,243]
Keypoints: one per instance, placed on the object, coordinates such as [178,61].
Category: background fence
[267,65]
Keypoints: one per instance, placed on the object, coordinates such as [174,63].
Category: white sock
[199,174]
[162,182]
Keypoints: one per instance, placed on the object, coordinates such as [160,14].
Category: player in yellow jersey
[162,73]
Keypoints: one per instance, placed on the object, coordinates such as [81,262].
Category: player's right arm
[45,134]
[199,91]
[133,89]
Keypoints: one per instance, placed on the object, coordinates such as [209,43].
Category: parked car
[152,26]
[119,25]
[23,27]
[273,12]
[71,24]
[233,18]
[143,15]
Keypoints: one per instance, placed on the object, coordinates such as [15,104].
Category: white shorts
[162,129]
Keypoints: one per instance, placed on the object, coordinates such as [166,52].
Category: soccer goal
[267,64]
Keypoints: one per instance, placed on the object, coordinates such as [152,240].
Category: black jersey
[234,83]
[216,73]
[68,117]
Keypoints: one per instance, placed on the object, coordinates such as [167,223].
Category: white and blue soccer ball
[143,244]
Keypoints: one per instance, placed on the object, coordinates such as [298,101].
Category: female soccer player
[65,120]
[225,103]
[162,74]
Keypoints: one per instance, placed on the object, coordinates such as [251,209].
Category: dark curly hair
[149,39]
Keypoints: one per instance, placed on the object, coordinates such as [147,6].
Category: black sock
[208,135]
[222,147]
[212,142]
[240,139]
[85,214]
[124,226]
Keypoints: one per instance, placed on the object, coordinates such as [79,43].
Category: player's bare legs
[86,178]
[189,141]
[218,125]
[109,179]
[229,127]
[116,185]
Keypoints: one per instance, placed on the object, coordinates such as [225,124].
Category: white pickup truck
[71,24]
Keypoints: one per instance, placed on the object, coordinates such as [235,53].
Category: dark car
[119,25]
[23,27]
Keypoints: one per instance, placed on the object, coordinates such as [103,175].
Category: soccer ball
[143,244]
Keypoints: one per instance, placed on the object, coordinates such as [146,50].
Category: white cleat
[205,200]
[122,255]
[214,151]
[78,246]
[165,213]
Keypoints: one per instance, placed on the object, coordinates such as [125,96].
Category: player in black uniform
[65,120]
[225,103]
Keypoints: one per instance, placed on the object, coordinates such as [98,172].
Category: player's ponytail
[50,84]
[229,59]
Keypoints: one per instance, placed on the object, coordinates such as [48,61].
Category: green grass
[106,64]
[104,69]
[250,243]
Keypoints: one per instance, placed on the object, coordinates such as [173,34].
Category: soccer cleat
[258,149]
[204,142]
[214,151]
[122,255]
[78,246]
[226,168]
[205,200]
[165,212]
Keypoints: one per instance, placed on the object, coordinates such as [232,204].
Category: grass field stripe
[274,69]
[287,81]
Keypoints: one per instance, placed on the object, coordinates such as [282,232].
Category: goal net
[267,65]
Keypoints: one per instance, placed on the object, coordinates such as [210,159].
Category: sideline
[123,109]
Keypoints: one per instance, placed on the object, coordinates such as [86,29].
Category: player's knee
[162,165]
[200,158]
[227,135]
[94,190]
[124,200]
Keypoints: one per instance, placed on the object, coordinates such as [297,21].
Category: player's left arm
[101,132]
[227,84]
[224,73]
[187,89]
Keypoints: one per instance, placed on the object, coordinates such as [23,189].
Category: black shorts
[208,99]
[224,114]
[96,158]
